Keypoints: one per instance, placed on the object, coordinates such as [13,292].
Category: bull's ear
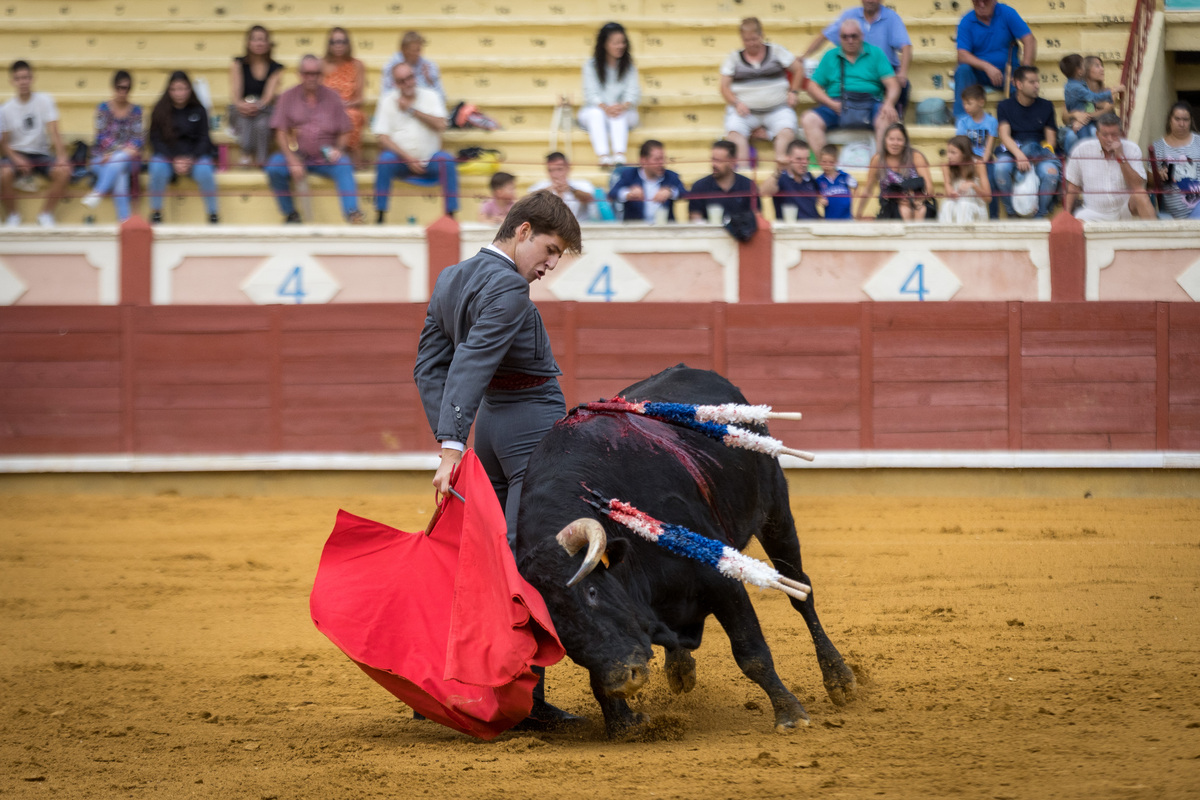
[617,548]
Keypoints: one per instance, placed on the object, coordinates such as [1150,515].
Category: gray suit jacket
[480,322]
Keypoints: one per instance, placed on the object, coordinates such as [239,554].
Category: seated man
[1027,134]
[866,71]
[724,187]
[409,122]
[793,186]
[311,127]
[648,187]
[987,42]
[31,144]
[883,28]
[756,86]
[1109,172]
[577,193]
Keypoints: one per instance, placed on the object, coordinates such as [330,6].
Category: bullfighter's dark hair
[546,213]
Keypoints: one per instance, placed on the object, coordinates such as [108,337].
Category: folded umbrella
[441,619]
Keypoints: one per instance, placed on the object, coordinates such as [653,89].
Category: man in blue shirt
[987,45]
[882,27]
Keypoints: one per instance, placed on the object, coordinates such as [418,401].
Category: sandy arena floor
[1006,648]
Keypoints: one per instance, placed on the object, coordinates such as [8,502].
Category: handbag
[858,108]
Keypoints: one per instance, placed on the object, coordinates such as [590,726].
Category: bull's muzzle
[584,530]
[626,680]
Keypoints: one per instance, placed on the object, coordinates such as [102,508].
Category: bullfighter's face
[536,254]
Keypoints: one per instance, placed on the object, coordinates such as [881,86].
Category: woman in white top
[610,95]
[1177,159]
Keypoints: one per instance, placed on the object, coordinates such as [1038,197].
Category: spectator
[253,86]
[987,43]
[902,174]
[1177,159]
[759,84]
[836,187]
[311,128]
[504,194]
[1027,133]
[1085,98]
[882,27]
[793,186]
[980,128]
[1109,172]
[346,75]
[966,183]
[577,193]
[118,147]
[33,146]
[649,187]
[869,81]
[734,193]
[409,122]
[180,145]
[427,72]
[610,95]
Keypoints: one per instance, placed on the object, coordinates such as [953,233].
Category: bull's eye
[593,596]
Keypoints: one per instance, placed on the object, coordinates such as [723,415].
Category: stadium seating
[513,58]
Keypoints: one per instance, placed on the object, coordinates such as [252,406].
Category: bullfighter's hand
[441,478]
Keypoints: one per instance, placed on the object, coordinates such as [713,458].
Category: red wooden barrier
[237,379]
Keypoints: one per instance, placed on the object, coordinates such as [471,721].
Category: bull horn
[572,538]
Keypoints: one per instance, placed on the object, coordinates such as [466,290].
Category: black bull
[645,595]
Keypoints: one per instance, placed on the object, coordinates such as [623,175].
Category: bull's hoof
[840,684]
[791,725]
[625,726]
[681,671]
[789,715]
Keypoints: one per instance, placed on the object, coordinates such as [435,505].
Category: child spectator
[980,128]
[118,148]
[504,194]
[1085,97]
[793,186]
[966,182]
[836,187]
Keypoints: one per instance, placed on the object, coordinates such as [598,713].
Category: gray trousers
[507,429]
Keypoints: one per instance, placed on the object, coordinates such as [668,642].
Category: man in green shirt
[867,71]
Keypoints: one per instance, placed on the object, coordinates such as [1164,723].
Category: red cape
[444,622]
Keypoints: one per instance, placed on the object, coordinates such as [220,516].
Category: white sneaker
[46,219]
[90,200]
[14,219]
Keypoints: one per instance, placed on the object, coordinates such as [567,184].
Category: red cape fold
[444,622]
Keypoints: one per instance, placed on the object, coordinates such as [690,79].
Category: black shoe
[213,219]
[379,218]
[156,217]
[545,717]
[293,218]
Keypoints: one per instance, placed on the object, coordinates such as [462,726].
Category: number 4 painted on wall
[601,285]
[294,280]
[920,291]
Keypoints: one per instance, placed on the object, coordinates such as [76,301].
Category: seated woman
[1177,161]
[180,145]
[966,183]
[428,75]
[346,75]
[610,95]
[253,86]
[902,175]
[118,148]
